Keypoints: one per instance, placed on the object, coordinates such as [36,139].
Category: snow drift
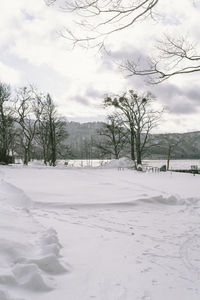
[123,162]
[29,253]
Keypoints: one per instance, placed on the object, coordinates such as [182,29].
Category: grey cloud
[183,107]
[27,15]
[112,59]
[194,94]
[170,20]
[125,53]
[95,94]
[178,100]
[91,93]
[81,100]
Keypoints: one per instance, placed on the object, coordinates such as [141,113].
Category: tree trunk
[168,157]
[139,158]
[4,147]
[44,155]
[26,156]
[138,149]
[132,145]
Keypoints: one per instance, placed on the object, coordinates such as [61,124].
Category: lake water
[183,164]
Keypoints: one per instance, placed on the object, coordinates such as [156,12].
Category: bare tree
[51,130]
[124,105]
[6,124]
[171,142]
[97,19]
[113,137]
[174,56]
[138,116]
[25,118]
[42,129]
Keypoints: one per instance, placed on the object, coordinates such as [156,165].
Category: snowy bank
[123,162]
[29,253]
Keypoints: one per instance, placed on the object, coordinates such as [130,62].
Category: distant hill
[188,144]
[82,131]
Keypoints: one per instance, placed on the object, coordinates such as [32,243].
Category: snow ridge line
[14,196]
[160,199]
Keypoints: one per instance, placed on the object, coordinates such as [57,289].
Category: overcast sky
[33,52]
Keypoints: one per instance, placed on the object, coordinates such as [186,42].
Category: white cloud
[9,75]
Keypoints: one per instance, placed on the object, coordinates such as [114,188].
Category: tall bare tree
[138,116]
[171,142]
[42,129]
[124,105]
[7,130]
[51,129]
[25,118]
[113,137]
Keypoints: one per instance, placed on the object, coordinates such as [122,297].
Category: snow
[105,234]
[123,162]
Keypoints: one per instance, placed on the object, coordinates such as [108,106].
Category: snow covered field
[81,234]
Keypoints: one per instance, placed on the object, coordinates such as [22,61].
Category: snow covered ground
[81,234]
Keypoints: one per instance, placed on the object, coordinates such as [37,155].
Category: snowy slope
[99,234]
[29,253]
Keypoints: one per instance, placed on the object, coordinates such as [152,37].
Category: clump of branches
[138,118]
[97,19]
[112,137]
[174,56]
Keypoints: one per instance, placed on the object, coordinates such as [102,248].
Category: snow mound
[29,266]
[13,195]
[49,249]
[29,276]
[31,272]
[7,279]
[123,162]
[50,238]
[50,264]
[48,255]
[11,251]
[170,200]
[5,296]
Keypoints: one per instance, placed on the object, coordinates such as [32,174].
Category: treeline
[30,127]
[127,131]
[83,138]
[129,125]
